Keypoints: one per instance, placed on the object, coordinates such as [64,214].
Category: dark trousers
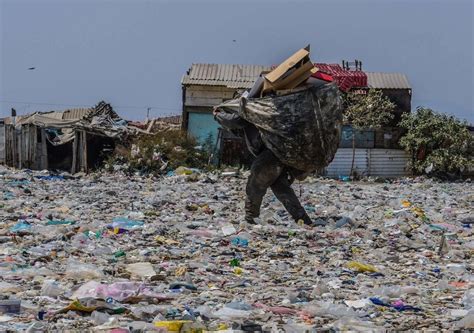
[267,171]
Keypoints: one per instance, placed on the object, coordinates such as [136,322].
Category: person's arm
[230,121]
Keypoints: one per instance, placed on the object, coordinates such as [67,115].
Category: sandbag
[302,128]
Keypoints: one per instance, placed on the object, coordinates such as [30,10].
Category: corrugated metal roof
[243,76]
[232,76]
[78,113]
[387,80]
[70,114]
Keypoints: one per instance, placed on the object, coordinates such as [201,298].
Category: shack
[72,140]
[206,85]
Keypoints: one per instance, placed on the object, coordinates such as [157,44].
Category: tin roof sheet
[387,80]
[232,76]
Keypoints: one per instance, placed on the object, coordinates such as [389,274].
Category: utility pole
[148,114]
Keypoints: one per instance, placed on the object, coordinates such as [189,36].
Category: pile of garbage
[160,153]
[119,253]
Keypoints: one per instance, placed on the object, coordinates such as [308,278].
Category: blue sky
[134,53]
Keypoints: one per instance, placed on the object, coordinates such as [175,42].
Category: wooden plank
[209,88]
[209,94]
[198,109]
[193,101]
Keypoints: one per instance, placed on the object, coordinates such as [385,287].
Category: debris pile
[159,124]
[118,253]
[159,153]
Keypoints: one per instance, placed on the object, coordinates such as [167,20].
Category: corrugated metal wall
[388,163]
[369,162]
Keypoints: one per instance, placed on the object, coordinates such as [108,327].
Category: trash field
[114,253]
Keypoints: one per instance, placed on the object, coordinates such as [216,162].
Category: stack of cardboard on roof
[290,74]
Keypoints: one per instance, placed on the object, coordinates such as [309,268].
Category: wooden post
[19,152]
[74,152]
[44,150]
[34,146]
[84,138]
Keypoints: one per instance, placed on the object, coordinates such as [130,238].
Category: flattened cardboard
[297,76]
[288,64]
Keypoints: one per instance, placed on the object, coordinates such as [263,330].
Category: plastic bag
[360,267]
[79,270]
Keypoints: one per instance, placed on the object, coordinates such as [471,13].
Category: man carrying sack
[266,172]
[291,124]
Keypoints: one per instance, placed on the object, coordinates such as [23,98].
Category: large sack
[302,128]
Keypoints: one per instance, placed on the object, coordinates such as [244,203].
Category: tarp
[301,128]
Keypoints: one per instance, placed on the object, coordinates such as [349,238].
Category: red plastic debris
[345,79]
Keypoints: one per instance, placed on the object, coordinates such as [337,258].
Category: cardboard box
[290,73]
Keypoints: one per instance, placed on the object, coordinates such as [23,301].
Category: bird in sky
[31,68]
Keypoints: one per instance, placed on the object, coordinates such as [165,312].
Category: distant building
[206,85]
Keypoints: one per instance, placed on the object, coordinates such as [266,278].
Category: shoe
[317,223]
[250,220]
[305,219]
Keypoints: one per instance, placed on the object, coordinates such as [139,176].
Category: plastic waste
[228,230]
[360,267]
[239,306]
[79,270]
[358,304]
[75,277]
[10,306]
[352,324]
[21,226]
[467,322]
[344,221]
[329,308]
[237,241]
[227,313]
[172,325]
[468,299]
[99,318]
[51,288]
[181,171]
[60,222]
[397,305]
[141,269]
[123,224]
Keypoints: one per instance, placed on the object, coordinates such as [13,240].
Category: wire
[88,106]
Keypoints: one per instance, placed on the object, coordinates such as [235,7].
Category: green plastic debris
[60,222]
